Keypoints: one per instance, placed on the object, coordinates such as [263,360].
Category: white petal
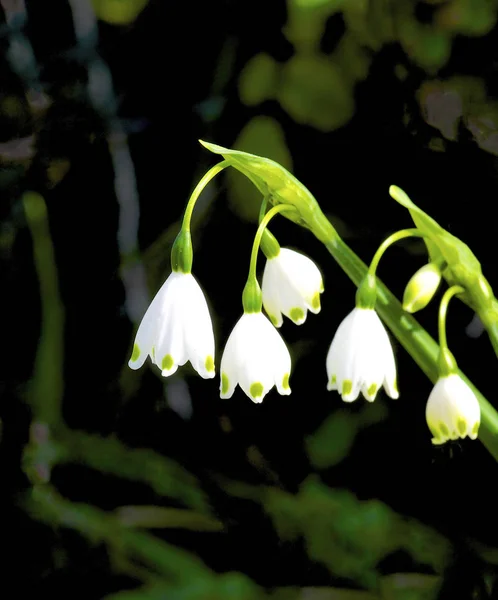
[304,275]
[271,296]
[361,358]
[452,410]
[198,330]
[176,328]
[291,285]
[145,337]
[256,358]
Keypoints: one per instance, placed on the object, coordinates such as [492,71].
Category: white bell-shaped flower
[361,357]
[176,328]
[292,284]
[452,410]
[256,358]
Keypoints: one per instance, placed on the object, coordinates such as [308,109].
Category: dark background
[176,70]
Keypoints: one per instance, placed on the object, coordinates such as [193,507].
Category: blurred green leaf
[410,586]
[258,79]
[315,92]
[351,537]
[229,586]
[118,12]
[468,17]
[306,21]
[161,517]
[109,455]
[175,564]
[333,440]
[261,135]
[427,46]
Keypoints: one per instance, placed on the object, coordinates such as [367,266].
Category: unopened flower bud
[421,288]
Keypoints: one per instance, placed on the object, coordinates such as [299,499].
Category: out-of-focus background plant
[122,484]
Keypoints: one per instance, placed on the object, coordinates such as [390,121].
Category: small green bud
[421,288]
[252,298]
[269,244]
[182,253]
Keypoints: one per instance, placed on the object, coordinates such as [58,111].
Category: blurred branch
[103,99]
[45,504]
[348,536]
[109,455]
[160,517]
[46,387]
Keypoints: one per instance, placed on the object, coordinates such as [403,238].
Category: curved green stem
[262,209]
[392,239]
[261,229]
[443,309]
[269,243]
[213,171]
[366,295]
[251,296]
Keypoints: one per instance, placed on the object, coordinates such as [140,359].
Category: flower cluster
[177,328]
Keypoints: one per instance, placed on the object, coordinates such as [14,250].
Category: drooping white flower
[292,284]
[256,358]
[360,357]
[176,327]
[452,410]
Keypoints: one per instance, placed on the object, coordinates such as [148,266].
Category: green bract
[280,187]
[182,253]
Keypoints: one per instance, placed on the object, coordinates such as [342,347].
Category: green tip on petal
[136,353]
[315,301]
[444,430]
[347,387]
[224,383]
[285,381]
[475,429]
[296,314]
[256,390]
[209,364]
[372,390]
[462,426]
[167,362]
[273,320]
